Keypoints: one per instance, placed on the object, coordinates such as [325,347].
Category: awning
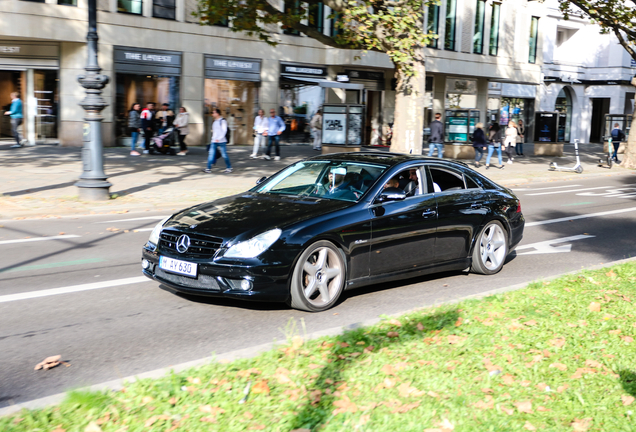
[321,82]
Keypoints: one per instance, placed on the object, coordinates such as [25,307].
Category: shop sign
[147,57]
[27,50]
[461,86]
[333,128]
[232,68]
[9,49]
[298,69]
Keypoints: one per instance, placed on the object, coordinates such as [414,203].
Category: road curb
[249,352]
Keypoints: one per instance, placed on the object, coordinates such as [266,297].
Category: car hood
[250,214]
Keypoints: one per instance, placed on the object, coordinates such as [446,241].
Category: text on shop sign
[148,57]
[233,64]
[293,69]
[9,49]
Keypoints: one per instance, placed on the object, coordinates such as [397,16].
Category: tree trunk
[629,159]
[409,111]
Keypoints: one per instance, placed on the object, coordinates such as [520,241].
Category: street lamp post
[92,183]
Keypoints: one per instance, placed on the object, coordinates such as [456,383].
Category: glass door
[46,96]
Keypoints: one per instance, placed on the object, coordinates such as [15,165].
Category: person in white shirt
[219,140]
[260,132]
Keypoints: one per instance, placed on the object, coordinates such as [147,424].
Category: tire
[319,277]
[610,162]
[491,249]
[552,166]
[579,169]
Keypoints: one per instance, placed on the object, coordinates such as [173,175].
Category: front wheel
[491,249]
[579,169]
[552,166]
[610,162]
[319,277]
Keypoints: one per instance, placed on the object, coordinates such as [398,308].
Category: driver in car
[337,186]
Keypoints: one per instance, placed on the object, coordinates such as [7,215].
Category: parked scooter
[609,161]
[578,168]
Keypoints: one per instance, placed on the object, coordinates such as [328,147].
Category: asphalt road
[109,322]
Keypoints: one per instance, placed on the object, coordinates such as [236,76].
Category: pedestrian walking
[219,141]
[510,141]
[134,127]
[275,127]
[494,143]
[165,118]
[436,141]
[15,112]
[181,126]
[521,136]
[479,143]
[260,130]
[617,137]
[147,124]
[316,128]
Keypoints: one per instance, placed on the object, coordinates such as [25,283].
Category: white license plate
[178,266]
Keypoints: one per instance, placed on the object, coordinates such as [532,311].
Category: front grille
[208,283]
[201,246]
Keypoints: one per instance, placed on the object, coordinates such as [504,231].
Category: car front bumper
[260,282]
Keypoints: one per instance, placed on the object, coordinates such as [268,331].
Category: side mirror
[261,180]
[391,194]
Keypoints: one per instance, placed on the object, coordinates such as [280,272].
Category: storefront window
[142,89]
[564,107]
[298,103]
[238,102]
[449,37]
[47,98]
[67,2]
[494,29]
[512,109]
[164,9]
[433,24]
[10,81]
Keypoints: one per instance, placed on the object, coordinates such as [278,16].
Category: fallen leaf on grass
[610,274]
[508,379]
[559,366]
[627,339]
[524,407]
[581,371]
[395,322]
[558,342]
[210,409]
[543,409]
[488,404]
[529,426]
[208,419]
[530,323]
[420,327]
[173,401]
[393,334]
[260,387]
[443,426]
[627,400]
[248,372]
[432,394]
[487,391]
[388,369]
[406,390]
[542,386]
[508,411]
[344,405]
[59,429]
[563,388]
[592,363]
[92,427]
[525,383]
[594,307]
[454,339]
[614,332]
[398,407]
[581,425]
[147,399]
[257,427]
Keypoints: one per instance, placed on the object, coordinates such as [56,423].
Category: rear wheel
[491,249]
[552,166]
[579,169]
[319,277]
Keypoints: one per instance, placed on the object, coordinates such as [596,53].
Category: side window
[410,181]
[445,180]
[470,183]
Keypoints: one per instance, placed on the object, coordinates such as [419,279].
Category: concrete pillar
[192,90]
[180,11]
[146,8]
[31,106]
[269,93]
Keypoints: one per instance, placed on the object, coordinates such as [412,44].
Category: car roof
[381,158]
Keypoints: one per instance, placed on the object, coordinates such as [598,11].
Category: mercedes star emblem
[183,243]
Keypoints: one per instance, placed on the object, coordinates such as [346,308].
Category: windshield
[346,181]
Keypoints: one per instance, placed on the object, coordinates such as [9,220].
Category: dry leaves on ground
[581,425]
[50,363]
[524,407]
[627,400]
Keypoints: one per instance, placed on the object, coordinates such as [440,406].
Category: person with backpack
[617,137]
[219,141]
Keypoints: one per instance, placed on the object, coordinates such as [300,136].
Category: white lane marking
[568,191]
[540,189]
[585,216]
[143,229]
[134,219]
[39,239]
[545,247]
[72,289]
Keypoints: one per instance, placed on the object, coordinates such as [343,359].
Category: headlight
[154,235]
[255,246]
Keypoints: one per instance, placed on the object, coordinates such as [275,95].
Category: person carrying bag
[510,141]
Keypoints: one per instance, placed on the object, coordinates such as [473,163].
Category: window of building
[67,2]
[164,9]
[449,34]
[480,18]
[334,22]
[316,17]
[35,1]
[494,29]
[291,8]
[532,44]
[237,101]
[432,25]
[129,6]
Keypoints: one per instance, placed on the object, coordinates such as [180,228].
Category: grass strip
[555,356]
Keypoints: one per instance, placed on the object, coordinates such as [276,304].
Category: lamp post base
[94,190]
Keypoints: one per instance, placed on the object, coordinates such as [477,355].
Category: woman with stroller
[181,124]
[134,126]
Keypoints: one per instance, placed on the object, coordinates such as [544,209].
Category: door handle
[429,213]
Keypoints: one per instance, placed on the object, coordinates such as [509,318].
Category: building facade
[486,62]
[586,75]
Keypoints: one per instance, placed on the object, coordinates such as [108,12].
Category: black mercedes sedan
[336,222]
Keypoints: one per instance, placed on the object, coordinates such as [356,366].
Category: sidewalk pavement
[40,181]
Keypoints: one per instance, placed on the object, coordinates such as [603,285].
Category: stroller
[166,142]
